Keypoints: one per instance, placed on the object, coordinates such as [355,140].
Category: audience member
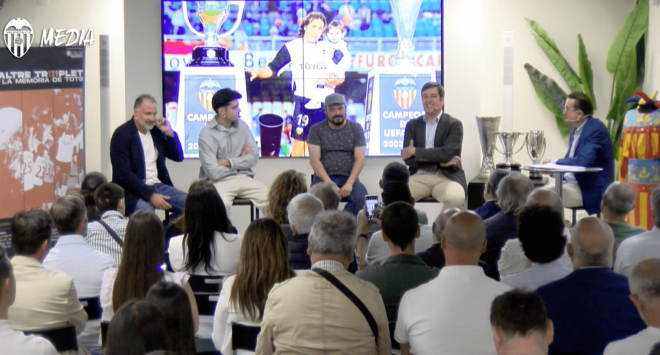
[642,246]
[208,246]
[14,341]
[286,185]
[327,193]
[590,307]
[435,256]
[618,201]
[512,259]
[172,301]
[45,299]
[403,270]
[302,210]
[88,187]
[540,230]
[520,324]
[298,305]
[644,284]
[107,233]
[137,328]
[490,207]
[142,265]
[377,250]
[511,196]
[263,263]
[427,321]
[72,256]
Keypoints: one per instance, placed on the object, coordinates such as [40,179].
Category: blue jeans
[177,200]
[356,198]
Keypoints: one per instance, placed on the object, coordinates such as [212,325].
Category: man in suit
[138,153]
[433,152]
[589,146]
[590,307]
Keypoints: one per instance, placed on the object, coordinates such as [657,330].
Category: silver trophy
[405,16]
[509,140]
[535,149]
[487,127]
[212,15]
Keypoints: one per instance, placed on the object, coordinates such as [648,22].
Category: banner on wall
[42,131]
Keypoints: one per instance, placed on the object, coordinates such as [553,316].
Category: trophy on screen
[509,140]
[405,16]
[212,15]
[535,149]
[487,127]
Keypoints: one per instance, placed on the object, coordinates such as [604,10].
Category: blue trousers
[356,198]
[177,200]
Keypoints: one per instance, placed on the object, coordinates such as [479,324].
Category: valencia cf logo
[18,36]
[206,91]
[405,91]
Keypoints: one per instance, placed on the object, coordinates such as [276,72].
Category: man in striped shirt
[109,199]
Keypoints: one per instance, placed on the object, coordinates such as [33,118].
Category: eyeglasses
[566,109]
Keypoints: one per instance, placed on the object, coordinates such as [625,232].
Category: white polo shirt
[640,343]
[15,342]
[450,314]
[635,249]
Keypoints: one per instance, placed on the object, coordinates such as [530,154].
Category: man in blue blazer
[138,153]
[590,307]
[589,146]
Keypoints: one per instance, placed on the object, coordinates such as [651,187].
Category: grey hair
[619,198]
[327,193]
[494,180]
[334,233]
[644,280]
[301,211]
[441,222]
[655,205]
[513,191]
[141,98]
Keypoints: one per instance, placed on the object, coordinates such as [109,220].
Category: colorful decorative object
[639,155]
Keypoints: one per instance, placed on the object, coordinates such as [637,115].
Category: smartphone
[371,202]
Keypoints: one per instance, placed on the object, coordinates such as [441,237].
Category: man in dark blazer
[589,146]
[138,153]
[433,151]
[590,307]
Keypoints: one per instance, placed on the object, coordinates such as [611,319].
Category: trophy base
[511,166]
[483,174]
[204,56]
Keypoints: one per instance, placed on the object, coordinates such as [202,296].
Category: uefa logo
[18,36]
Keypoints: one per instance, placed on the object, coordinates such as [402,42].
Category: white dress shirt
[429,139]
[99,238]
[537,276]
[449,314]
[513,259]
[638,344]
[378,250]
[225,255]
[15,342]
[227,313]
[85,265]
[635,249]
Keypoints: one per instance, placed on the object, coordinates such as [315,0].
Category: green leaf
[550,48]
[625,43]
[551,96]
[586,75]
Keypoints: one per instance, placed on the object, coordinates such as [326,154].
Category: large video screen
[285,57]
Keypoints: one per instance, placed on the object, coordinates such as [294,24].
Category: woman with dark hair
[142,266]
[285,187]
[208,247]
[89,185]
[264,262]
[137,328]
[172,301]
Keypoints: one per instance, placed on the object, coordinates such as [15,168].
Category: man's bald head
[592,241]
[549,198]
[465,232]
[441,222]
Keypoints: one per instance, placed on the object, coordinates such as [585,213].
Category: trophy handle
[496,140]
[523,145]
[184,8]
[241,6]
